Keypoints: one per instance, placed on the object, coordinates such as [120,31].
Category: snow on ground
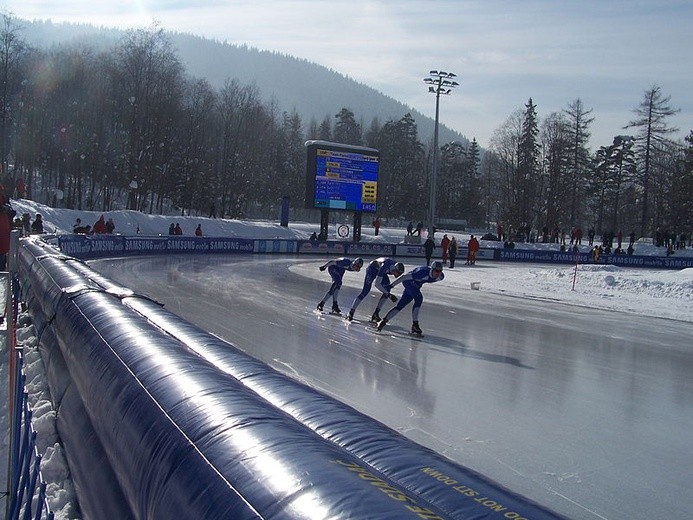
[662,293]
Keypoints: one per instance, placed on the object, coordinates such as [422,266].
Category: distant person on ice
[336,269]
[429,246]
[378,271]
[412,282]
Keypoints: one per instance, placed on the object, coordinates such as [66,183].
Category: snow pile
[60,489]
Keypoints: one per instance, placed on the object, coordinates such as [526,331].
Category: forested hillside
[148,120]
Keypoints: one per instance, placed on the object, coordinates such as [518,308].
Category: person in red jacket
[100,226]
[472,248]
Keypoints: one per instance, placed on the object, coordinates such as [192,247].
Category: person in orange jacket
[444,244]
[472,249]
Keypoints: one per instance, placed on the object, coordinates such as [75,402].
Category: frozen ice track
[180,424]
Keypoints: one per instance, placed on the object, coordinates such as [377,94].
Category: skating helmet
[398,267]
[437,266]
[357,263]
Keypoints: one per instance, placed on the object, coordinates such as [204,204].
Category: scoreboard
[341,177]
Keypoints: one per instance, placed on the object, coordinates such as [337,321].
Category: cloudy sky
[605,52]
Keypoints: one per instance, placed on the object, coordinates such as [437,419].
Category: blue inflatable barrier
[180,424]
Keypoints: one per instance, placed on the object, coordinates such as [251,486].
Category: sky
[631,291]
[607,53]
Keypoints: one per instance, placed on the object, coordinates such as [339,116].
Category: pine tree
[346,129]
[527,166]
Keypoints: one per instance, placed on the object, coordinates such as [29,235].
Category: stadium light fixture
[440,82]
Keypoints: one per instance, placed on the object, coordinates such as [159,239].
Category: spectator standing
[444,245]
[100,226]
[26,225]
[376,225]
[110,226]
[172,229]
[410,229]
[596,252]
[472,249]
[213,211]
[178,230]
[429,246]
[590,236]
[37,225]
[453,249]
[198,230]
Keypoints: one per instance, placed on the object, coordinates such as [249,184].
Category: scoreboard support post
[357,226]
[324,223]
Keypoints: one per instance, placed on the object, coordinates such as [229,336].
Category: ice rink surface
[586,411]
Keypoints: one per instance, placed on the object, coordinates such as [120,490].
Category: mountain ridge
[294,84]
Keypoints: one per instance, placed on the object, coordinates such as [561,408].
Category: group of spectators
[670,240]
[101,226]
[175,229]
[610,240]
[27,226]
[450,249]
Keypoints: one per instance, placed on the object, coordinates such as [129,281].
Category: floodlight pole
[439,82]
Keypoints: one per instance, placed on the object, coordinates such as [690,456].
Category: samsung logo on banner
[106,245]
[139,245]
[231,245]
[181,244]
[75,247]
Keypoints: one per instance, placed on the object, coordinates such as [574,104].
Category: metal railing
[27,488]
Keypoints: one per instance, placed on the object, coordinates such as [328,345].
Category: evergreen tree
[401,164]
[527,167]
[346,129]
[325,130]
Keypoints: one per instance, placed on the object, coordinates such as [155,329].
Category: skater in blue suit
[337,268]
[378,271]
[412,282]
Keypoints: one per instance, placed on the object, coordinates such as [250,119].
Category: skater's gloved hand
[322,267]
[393,298]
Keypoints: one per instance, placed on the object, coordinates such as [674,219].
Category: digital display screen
[341,177]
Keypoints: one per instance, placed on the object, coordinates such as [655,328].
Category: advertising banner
[367,249]
[321,247]
[97,246]
[275,246]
